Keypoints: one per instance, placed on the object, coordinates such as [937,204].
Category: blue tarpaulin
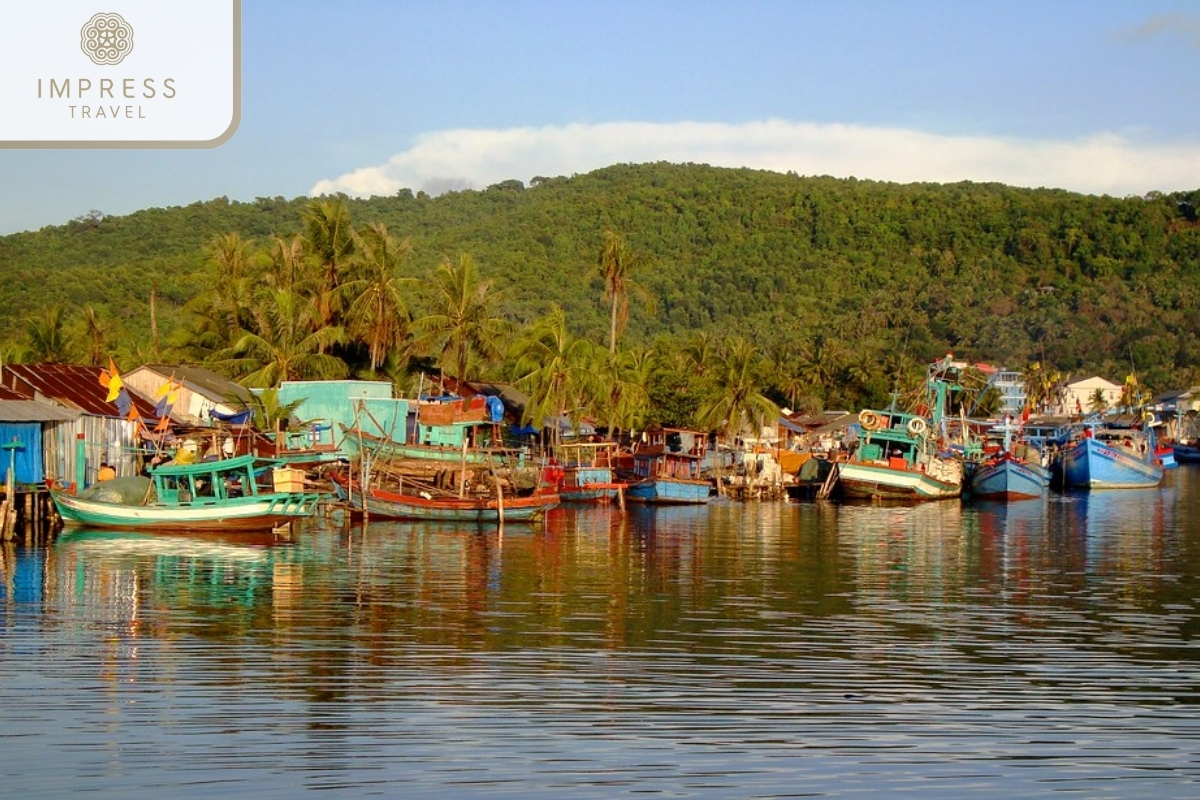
[237,418]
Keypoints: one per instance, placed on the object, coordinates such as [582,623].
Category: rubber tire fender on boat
[868,419]
[917,426]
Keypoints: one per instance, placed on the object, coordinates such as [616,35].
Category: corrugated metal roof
[70,385]
[34,411]
[204,382]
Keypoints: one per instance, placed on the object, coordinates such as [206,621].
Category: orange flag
[112,379]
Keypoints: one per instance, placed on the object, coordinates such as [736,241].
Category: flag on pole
[111,380]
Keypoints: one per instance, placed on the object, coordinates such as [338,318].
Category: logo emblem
[106,39]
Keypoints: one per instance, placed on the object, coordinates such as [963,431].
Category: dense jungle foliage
[833,291]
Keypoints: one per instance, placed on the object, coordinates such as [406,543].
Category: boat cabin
[670,453]
[221,480]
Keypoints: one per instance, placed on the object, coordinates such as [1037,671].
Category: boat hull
[669,491]
[872,481]
[1186,453]
[1009,478]
[384,504]
[588,485]
[1092,464]
[249,514]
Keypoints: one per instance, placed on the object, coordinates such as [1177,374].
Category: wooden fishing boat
[587,472]
[1187,452]
[666,468]
[240,494]
[1006,476]
[1009,470]
[1109,456]
[897,459]
[423,505]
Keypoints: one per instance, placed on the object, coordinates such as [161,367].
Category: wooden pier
[29,514]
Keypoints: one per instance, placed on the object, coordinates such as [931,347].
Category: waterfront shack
[74,449]
[197,395]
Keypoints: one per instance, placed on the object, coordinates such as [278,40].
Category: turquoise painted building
[325,406]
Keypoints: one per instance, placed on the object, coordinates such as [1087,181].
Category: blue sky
[367,96]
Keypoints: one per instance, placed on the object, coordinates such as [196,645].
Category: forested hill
[987,271]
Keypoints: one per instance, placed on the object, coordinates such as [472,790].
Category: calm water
[758,650]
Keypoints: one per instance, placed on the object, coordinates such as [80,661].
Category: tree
[461,322]
[1042,386]
[735,402]
[378,313]
[267,411]
[621,380]
[46,338]
[93,334]
[819,363]
[287,261]
[555,369]
[616,264]
[1097,402]
[287,343]
[330,240]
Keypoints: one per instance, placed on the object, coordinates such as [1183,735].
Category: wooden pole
[462,476]
[500,504]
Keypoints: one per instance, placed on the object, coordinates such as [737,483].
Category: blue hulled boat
[588,472]
[1108,457]
[1006,476]
[1009,471]
[1186,452]
[666,468]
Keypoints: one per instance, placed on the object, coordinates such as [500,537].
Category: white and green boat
[241,494]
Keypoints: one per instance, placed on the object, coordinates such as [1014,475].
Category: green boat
[241,494]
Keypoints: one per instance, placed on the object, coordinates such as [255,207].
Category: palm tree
[554,368]
[1097,402]
[287,342]
[460,323]
[231,255]
[1042,386]
[378,314]
[616,264]
[330,240]
[620,383]
[46,338]
[266,410]
[287,261]
[217,317]
[94,330]
[820,361]
[736,401]
[1133,394]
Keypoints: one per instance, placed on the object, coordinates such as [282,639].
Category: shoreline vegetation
[637,295]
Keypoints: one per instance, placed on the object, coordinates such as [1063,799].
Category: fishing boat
[423,504]
[1187,452]
[666,468]
[899,455]
[1009,470]
[898,459]
[240,494]
[587,472]
[1107,455]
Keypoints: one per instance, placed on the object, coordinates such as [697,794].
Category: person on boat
[106,472]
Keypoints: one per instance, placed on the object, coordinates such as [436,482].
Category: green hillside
[863,270]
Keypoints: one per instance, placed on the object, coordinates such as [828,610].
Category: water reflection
[733,649]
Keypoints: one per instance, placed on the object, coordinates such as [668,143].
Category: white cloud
[458,159]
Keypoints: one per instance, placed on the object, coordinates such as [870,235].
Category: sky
[371,96]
